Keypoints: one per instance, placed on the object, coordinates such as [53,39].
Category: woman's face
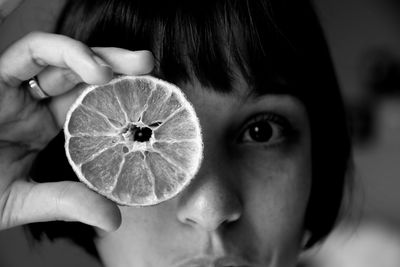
[246,205]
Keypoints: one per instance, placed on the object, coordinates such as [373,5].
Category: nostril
[210,217]
[212,203]
[190,221]
[234,216]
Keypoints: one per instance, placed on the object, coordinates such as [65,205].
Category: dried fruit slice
[135,140]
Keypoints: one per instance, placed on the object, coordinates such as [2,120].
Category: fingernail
[149,59]
[142,61]
[145,54]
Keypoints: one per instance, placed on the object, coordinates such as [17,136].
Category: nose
[209,203]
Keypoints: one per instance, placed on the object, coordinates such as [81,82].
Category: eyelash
[280,127]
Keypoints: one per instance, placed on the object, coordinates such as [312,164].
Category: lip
[215,262]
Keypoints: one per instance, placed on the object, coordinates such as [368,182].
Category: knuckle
[80,46]
[37,43]
[32,41]
[10,209]
[71,77]
[74,45]
[34,37]
[6,214]
[62,198]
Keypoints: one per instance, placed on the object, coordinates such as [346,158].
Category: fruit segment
[135,182]
[102,171]
[133,95]
[170,178]
[178,127]
[87,122]
[179,153]
[160,106]
[105,102]
[84,147]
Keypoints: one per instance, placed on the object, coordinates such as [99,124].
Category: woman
[260,78]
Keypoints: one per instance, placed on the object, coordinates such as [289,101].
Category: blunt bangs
[207,41]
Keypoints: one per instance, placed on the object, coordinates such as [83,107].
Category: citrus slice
[135,140]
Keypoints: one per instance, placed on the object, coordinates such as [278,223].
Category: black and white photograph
[200,133]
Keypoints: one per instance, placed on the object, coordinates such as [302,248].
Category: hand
[27,125]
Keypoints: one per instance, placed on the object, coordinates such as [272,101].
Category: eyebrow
[254,93]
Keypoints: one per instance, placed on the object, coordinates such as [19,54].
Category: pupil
[142,134]
[260,132]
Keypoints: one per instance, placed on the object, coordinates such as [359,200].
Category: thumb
[67,201]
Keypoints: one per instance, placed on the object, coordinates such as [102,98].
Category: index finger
[28,56]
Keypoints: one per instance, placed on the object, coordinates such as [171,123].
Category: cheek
[143,237]
[281,199]
[275,200]
[148,224]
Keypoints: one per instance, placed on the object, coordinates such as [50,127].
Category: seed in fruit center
[136,133]
[142,134]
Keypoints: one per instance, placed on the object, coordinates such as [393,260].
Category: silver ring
[35,90]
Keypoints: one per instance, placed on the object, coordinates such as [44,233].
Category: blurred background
[364,37]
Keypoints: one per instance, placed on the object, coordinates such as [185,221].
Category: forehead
[241,101]
[240,91]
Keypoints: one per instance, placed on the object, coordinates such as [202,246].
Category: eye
[266,129]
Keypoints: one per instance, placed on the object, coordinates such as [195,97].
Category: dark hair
[277,46]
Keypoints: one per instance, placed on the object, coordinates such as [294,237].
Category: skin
[248,199]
